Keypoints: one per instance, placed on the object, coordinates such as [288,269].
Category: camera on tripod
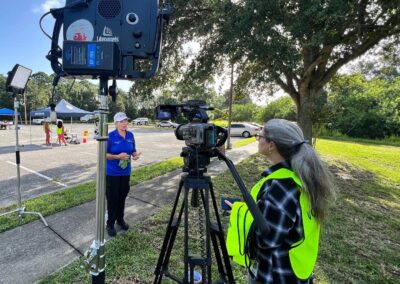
[200,136]
[198,132]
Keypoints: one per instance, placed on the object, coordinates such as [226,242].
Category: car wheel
[246,134]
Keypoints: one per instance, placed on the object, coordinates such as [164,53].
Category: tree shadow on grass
[360,240]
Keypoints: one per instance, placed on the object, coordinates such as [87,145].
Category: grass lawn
[360,237]
[76,195]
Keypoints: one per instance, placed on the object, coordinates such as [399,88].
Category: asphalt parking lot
[45,169]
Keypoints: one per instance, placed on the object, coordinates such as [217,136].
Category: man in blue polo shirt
[120,150]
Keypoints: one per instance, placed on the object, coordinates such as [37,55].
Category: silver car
[167,123]
[140,121]
[244,129]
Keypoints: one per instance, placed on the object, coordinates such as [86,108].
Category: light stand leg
[95,261]
[20,210]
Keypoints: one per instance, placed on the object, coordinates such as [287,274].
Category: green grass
[243,142]
[359,241]
[389,141]
[222,123]
[151,171]
[76,195]
[49,204]
[131,257]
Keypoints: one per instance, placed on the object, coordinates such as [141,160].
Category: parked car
[167,123]
[244,129]
[140,121]
[257,125]
[88,118]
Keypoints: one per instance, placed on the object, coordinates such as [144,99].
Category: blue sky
[22,41]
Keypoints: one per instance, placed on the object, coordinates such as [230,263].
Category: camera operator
[293,197]
[120,150]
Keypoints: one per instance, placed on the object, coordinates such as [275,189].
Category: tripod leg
[217,253]
[205,201]
[168,243]
[220,234]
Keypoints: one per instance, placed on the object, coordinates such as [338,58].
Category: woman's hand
[136,155]
[123,156]
[228,212]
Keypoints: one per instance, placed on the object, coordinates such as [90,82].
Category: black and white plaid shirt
[279,203]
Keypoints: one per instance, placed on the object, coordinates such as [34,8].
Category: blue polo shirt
[117,144]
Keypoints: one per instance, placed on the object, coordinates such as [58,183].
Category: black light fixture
[17,79]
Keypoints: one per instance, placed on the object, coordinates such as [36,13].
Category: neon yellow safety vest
[303,254]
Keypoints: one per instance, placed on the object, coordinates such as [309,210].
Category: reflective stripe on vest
[303,254]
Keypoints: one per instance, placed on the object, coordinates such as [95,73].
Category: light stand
[16,83]
[95,257]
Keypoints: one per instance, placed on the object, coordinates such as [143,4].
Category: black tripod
[200,186]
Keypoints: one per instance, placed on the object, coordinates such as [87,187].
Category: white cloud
[47,5]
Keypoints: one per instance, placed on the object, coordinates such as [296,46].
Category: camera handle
[251,204]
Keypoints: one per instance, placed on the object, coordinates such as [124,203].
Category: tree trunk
[305,111]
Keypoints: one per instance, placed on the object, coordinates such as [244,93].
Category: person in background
[121,149]
[47,130]
[61,133]
[292,195]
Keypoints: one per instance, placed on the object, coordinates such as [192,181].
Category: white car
[140,121]
[244,129]
[167,123]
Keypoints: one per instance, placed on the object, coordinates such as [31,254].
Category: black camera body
[200,137]
[197,133]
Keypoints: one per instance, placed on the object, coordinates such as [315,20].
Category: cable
[40,25]
[67,242]
[144,201]
[70,88]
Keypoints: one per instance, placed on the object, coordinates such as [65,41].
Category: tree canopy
[298,45]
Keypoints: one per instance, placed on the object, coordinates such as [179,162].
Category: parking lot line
[38,174]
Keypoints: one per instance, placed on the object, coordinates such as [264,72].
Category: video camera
[108,38]
[197,133]
[200,136]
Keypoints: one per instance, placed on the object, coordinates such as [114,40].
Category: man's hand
[136,156]
[123,156]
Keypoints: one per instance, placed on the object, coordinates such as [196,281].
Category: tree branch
[291,91]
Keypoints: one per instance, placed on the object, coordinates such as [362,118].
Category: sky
[21,40]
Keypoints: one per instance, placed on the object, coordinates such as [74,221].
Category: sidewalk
[32,251]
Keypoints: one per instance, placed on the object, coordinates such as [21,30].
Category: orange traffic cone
[84,136]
